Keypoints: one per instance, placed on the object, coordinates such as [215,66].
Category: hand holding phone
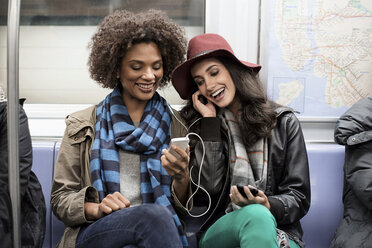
[181,142]
[253,190]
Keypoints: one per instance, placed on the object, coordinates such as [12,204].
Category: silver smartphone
[181,142]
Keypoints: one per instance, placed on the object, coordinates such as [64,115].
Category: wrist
[181,190]
[182,181]
[209,115]
[91,210]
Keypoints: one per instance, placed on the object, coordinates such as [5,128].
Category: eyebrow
[209,68]
[141,61]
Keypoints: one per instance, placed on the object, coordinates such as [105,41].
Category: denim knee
[155,213]
[159,218]
[132,226]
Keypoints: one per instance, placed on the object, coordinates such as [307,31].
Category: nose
[148,74]
[209,85]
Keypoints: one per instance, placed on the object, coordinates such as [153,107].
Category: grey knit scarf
[248,165]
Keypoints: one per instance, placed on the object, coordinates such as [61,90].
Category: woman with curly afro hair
[109,187]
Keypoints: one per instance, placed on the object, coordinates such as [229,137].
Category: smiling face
[214,82]
[140,72]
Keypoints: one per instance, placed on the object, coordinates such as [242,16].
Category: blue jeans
[148,225]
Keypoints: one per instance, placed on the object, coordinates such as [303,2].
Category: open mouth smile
[218,93]
[145,86]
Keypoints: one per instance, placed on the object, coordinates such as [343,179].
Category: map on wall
[320,54]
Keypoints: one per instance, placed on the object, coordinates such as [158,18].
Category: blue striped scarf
[114,129]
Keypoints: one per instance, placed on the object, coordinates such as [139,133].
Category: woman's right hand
[206,110]
[178,169]
[109,204]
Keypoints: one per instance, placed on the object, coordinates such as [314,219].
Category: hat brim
[181,77]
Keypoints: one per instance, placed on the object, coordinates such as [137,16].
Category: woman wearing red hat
[248,140]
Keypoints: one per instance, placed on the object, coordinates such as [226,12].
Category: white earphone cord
[201,166]
[198,184]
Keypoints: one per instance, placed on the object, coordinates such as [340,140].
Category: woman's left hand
[241,201]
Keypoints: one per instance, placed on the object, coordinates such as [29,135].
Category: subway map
[320,54]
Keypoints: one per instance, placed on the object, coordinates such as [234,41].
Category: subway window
[53,45]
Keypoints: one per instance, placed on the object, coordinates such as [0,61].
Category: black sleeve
[214,165]
[25,148]
[358,171]
[210,129]
[292,200]
[3,146]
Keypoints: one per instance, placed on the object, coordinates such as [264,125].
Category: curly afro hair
[123,29]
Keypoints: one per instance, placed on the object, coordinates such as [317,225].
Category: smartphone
[181,142]
[253,190]
[203,99]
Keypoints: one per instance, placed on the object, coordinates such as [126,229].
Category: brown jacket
[72,184]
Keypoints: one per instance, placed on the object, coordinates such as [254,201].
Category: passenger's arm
[358,171]
[292,199]
[353,129]
[25,151]
[214,167]
[68,194]
[177,168]
[111,203]
[25,148]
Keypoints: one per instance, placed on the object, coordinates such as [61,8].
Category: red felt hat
[200,47]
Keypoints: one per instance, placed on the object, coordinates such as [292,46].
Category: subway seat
[325,214]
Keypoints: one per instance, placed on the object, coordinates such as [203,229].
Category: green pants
[250,226]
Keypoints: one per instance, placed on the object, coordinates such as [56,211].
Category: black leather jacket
[288,185]
[33,208]
[354,130]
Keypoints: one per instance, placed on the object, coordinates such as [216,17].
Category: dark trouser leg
[148,225]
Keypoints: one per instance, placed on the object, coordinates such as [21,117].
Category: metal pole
[259,32]
[13,117]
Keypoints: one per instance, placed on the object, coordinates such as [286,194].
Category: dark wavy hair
[123,29]
[258,113]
